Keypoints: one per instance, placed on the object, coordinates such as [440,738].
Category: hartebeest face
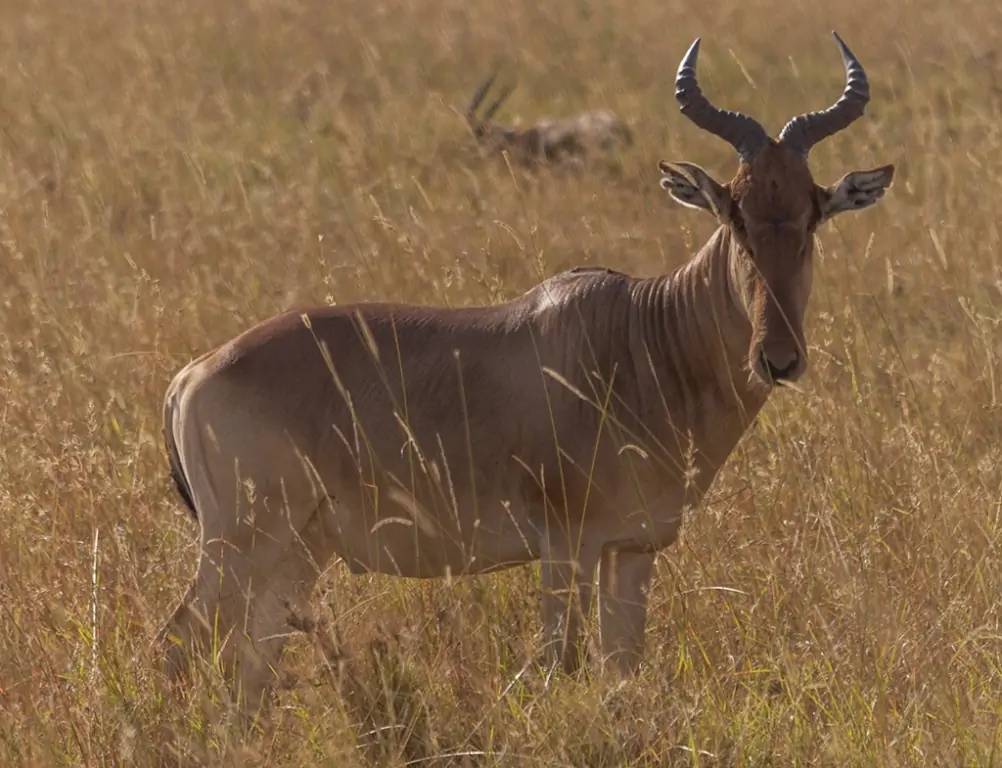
[772,208]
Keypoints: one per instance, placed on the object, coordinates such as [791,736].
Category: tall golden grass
[173,172]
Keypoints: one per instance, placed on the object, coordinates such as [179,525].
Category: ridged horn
[804,131]
[744,133]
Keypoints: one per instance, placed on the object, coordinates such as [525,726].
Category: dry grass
[173,172]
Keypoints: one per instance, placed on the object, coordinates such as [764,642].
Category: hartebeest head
[772,208]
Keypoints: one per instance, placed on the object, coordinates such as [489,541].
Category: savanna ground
[174,172]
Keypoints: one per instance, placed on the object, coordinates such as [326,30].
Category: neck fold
[690,341]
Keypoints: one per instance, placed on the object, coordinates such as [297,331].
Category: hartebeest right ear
[856,190]
[690,185]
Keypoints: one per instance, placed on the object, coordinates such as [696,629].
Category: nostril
[782,371]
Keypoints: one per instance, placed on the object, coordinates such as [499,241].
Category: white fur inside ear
[683,191]
[866,189]
[858,190]
[870,179]
[678,184]
[693,187]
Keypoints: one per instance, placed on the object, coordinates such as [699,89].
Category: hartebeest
[570,139]
[572,425]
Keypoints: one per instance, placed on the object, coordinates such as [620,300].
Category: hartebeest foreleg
[624,579]
[567,574]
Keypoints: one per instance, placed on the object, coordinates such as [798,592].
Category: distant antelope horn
[493,108]
[478,97]
[744,133]
[804,131]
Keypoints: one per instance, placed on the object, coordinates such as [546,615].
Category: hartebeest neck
[692,333]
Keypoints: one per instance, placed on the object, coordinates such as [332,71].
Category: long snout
[780,352]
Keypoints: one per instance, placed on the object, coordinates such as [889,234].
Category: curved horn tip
[687,68]
[847,55]
[693,53]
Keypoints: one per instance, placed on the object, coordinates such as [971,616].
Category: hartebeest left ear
[856,190]
[690,185]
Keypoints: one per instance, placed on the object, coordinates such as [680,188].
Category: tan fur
[776,206]
[572,425]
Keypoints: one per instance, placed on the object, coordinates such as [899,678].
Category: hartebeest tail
[174,458]
[572,425]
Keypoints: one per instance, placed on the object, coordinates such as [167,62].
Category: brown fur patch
[776,185]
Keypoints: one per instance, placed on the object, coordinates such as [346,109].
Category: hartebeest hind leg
[624,578]
[280,606]
[213,606]
[255,574]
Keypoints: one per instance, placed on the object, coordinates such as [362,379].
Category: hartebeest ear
[692,186]
[856,190]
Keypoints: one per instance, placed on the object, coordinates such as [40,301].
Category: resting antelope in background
[572,425]
[568,140]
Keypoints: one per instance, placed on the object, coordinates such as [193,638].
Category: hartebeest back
[566,140]
[572,425]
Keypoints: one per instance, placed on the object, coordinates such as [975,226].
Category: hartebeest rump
[572,425]
[567,140]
